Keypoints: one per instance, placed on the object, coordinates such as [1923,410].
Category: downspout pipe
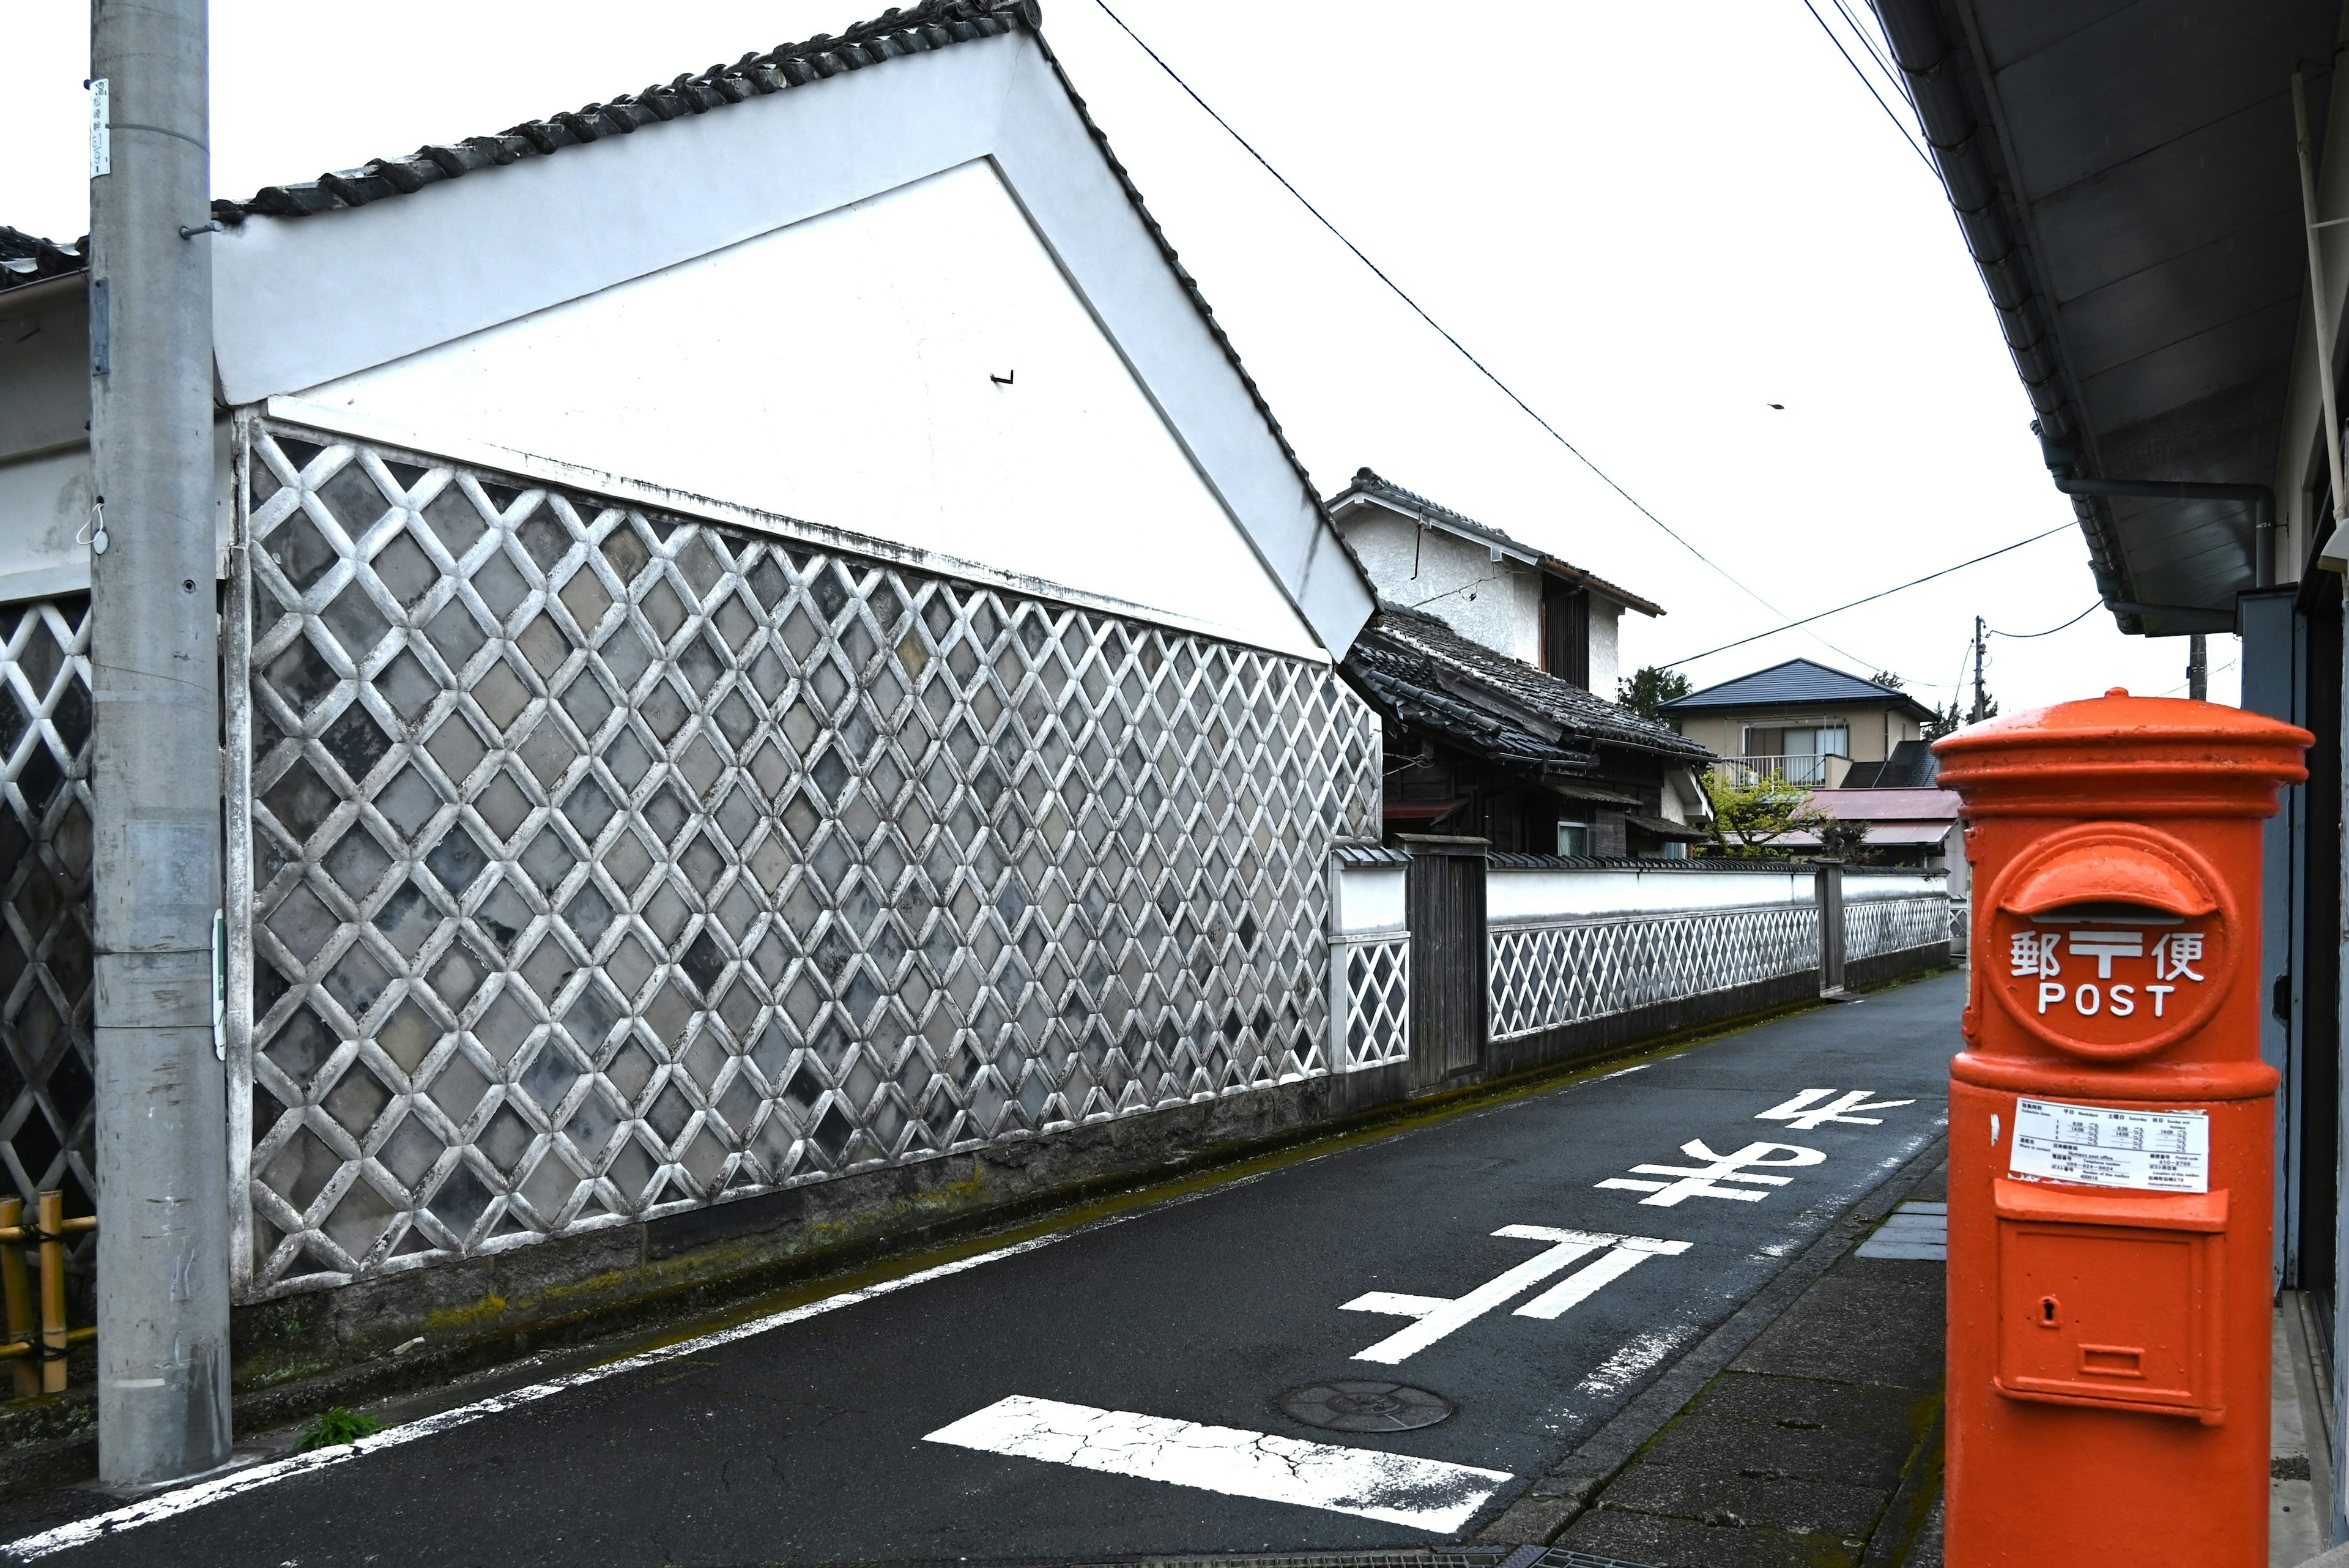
[2262,499]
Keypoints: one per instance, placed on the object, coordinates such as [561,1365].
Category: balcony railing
[1810,773]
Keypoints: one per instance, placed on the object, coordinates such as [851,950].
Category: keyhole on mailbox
[2047,1312]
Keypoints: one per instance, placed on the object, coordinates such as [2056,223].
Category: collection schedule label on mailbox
[2153,1151]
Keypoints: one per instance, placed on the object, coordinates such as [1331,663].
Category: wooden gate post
[1444,899]
[1829,877]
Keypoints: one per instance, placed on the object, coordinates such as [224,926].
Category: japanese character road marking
[1439,1316]
[1697,1181]
[1802,1113]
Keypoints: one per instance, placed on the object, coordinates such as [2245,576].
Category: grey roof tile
[1368,483]
[1428,676]
[29,258]
[1791,684]
[932,24]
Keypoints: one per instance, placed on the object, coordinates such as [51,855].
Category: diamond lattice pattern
[1377,999]
[605,865]
[1545,975]
[46,1099]
[1873,927]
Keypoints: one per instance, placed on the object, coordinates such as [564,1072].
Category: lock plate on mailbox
[2110,1300]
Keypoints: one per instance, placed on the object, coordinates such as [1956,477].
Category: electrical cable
[1870,86]
[1482,368]
[1883,63]
[2027,636]
[1882,593]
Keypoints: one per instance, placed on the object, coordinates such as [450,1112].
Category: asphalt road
[807,1442]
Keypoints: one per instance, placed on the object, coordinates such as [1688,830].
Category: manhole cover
[1362,1405]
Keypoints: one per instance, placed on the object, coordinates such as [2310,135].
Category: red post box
[2111,1184]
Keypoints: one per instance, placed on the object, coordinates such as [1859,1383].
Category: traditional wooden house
[1486,659]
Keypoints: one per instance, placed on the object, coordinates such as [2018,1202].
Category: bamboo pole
[53,1292]
[16,1288]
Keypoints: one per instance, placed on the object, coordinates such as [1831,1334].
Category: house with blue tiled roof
[1803,722]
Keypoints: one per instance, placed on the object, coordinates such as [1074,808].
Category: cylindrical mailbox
[2111,1184]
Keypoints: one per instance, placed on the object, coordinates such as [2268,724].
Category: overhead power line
[1870,86]
[2027,636]
[1482,368]
[1882,592]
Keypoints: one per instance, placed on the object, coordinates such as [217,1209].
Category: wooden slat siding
[1444,899]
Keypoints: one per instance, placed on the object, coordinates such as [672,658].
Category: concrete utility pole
[2198,667]
[1982,697]
[163,1137]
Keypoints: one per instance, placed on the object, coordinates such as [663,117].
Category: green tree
[1886,678]
[1751,815]
[1843,840]
[1652,686]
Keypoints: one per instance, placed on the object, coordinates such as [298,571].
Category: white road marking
[1583,1282]
[1425,1494]
[1393,1304]
[1439,1316]
[1803,1114]
[1627,1365]
[186,1498]
[1698,1181]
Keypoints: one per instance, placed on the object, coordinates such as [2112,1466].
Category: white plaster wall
[43,501]
[1369,898]
[1521,893]
[1526,894]
[1605,645]
[1497,603]
[44,504]
[1875,885]
[302,303]
[44,368]
[841,371]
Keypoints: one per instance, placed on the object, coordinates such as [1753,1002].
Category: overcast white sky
[1652,220]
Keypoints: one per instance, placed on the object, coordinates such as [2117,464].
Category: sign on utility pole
[162,1139]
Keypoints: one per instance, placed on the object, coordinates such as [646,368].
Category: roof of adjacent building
[1910,766]
[1887,805]
[933,25]
[1430,677]
[29,258]
[2123,178]
[1796,683]
[929,26]
[1367,484]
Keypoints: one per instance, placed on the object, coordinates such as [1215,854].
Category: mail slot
[2111,1138]
[2111,1300]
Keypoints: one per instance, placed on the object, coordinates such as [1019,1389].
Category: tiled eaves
[1413,637]
[1367,482]
[29,258]
[936,24]
[933,25]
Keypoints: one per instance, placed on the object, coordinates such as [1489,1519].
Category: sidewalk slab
[1818,1446]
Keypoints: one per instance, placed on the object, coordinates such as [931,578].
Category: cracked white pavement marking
[1439,1316]
[1399,1489]
[1804,1114]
